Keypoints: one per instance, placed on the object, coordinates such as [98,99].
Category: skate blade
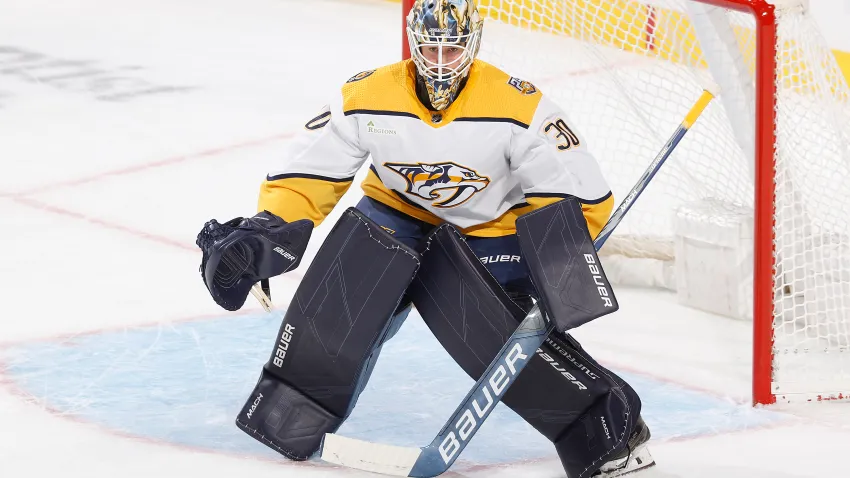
[638,460]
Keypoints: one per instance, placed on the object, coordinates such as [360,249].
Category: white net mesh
[812,314]
[626,73]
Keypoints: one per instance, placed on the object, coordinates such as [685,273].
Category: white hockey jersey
[500,150]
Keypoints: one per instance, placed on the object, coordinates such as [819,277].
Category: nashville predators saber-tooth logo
[446,184]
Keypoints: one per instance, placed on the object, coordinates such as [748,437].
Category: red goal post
[607,23]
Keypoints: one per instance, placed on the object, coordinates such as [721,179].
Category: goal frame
[764,254]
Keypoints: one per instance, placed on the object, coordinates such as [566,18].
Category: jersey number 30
[563,133]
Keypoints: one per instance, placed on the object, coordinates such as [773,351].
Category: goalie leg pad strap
[472,317]
[563,264]
[332,331]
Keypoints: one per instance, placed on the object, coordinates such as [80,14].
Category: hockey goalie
[463,156]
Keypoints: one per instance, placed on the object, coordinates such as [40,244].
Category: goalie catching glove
[244,251]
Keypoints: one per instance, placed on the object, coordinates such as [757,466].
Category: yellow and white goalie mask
[444,37]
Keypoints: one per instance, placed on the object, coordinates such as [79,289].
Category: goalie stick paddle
[435,458]
[260,291]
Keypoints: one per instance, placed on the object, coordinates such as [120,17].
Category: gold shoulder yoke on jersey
[490,95]
[387,90]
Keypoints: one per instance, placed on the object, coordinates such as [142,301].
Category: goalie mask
[444,36]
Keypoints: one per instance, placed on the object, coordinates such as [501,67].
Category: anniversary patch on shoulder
[524,87]
[360,76]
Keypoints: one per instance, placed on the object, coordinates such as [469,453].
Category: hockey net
[750,216]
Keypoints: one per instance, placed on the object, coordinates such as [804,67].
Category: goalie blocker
[587,411]
[563,264]
[330,337]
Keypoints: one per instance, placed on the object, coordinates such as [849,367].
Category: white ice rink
[124,126]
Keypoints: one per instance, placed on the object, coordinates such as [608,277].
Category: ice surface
[133,124]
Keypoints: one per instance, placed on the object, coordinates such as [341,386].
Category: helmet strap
[422,92]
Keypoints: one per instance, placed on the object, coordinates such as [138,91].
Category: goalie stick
[435,458]
[262,293]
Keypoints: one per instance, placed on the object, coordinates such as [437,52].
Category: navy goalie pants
[501,255]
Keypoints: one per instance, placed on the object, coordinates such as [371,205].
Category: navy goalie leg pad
[602,431]
[330,337]
[561,391]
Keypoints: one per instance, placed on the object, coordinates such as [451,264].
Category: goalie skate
[634,458]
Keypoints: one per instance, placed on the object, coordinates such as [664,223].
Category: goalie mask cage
[750,217]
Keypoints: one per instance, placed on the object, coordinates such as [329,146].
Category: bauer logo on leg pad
[283,345]
[560,369]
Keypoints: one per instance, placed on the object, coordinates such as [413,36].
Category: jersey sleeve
[318,169]
[551,160]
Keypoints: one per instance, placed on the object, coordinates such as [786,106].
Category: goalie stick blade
[367,456]
[262,298]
